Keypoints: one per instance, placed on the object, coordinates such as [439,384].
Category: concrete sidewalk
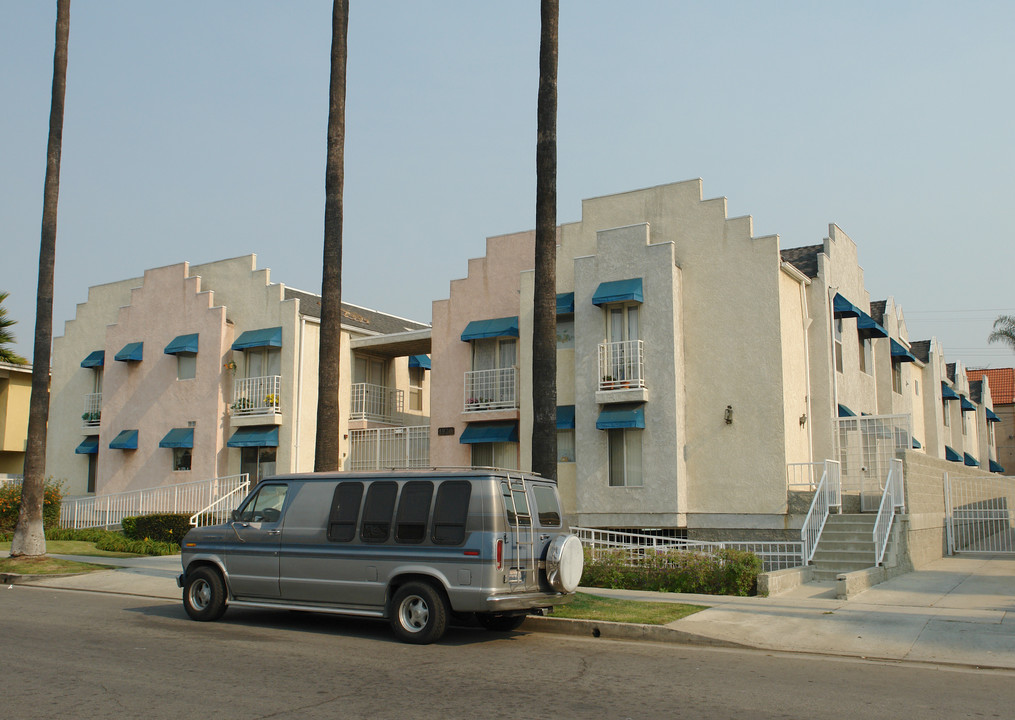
[958,610]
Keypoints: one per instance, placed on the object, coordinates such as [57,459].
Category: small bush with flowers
[10,505]
[724,572]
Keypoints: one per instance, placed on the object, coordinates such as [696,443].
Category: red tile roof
[1001,381]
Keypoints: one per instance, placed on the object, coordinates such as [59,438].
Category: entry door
[253,567]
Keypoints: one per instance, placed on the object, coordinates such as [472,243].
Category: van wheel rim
[414,613]
[200,594]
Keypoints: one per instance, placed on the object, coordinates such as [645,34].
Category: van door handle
[544,537]
[274,532]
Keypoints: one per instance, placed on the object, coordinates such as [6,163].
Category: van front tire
[204,594]
[419,613]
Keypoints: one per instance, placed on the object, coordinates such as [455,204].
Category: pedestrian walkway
[957,610]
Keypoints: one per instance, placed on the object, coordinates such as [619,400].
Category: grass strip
[593,607]
[46,565]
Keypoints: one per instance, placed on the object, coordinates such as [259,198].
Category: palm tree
[29,535]
[544,321]
[6,336]
[1004,331]
[326,452]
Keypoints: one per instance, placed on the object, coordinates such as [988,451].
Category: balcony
[381,448]
[491,389]
[256,396]
[93,411]
[621,372]
[375,402]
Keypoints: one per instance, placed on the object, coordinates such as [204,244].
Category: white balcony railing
[257,396]
[398,447]
[622,365]
[375,402]
[491,389]
[93,410]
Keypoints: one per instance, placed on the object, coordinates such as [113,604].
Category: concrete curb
[18,579]
[623,631]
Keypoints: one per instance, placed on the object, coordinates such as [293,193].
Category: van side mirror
[234,516]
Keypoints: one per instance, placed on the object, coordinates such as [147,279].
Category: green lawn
[53,566]
[71,547]
[592,607]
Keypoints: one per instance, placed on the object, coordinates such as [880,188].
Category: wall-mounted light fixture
[803,419]
[728,415]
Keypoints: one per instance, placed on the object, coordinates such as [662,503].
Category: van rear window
[450,512]
[377,512]
[516,505]
[546,506]
[344,511]
[413,511]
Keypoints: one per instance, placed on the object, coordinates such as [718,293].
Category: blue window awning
[916,444]
[947,393]
[565,303]
[991,417]
[867,327]
[841,307]
[96,358]
[995,467]
[615,417]
[970,460]
[420,361]
[182,344]
[265,337]
[950,454]
[178,438]
[131,352]
[618,291]
[845,411]
[490,432]
[126,440]
[966,405]
[900,353]
[88,446]
[255,436]
[497,327]
[565,417]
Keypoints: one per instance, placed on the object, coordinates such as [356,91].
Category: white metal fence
[893,498]
[400,447]
[375,402]
[866,447]
[622,365]
[495,389]
[257,395]
[827,496]
[804,476]
[108,511]
[635,546]
[978,513]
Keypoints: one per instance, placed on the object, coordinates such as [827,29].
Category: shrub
[129,525]
[10,505]
[161,527]
[111,541]
[725,572]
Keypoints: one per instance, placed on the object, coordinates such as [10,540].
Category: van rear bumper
[524,601]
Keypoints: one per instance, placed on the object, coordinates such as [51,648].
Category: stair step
[843,556]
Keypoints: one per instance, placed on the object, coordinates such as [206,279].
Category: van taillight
[500,553]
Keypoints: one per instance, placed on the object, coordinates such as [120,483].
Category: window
[181,459]
[450,512]
[377,512]
[257,462]
[622,322]
[372,371]
[266,505]
[916,386]
[565,334]
[262,362]
[897,376]
[962,415]
[516,504]
[344,511]
[946,414]
[565,446]
[866,361]
[837,325]
[416,375]
[501,455]
[494,353]
[990,436]
[413,511]
[186,366]
[546,506]
[625,458]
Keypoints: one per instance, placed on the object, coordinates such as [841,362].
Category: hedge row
[10,505]
[162,527]
[725,572]
[111,541]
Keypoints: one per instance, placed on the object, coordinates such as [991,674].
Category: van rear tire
[419,613]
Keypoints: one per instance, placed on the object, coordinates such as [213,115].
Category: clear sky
[195,130]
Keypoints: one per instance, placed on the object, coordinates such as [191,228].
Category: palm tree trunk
[29,535]
[326,451]
[544,322]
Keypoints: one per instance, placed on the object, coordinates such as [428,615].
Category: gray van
[409,546]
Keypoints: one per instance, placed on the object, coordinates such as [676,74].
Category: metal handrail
[195,519]
[892,497]
[827,496]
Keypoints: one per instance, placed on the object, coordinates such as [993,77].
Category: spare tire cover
[564,563]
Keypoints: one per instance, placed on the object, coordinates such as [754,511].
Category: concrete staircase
[846,545]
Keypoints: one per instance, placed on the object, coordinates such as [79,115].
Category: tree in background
[6,336]
[1004,331]
[326,452]
[29,536]
[544,301]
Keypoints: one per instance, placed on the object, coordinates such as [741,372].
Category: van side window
[546,506]
[266,505]
[377,512]
[344,511]
[413,511]
[516,505]
[450,512]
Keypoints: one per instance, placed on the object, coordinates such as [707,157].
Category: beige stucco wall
[15,398]
[794,321]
